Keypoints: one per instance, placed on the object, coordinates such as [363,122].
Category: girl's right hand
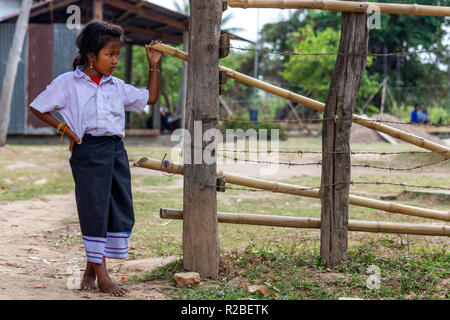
[72,138]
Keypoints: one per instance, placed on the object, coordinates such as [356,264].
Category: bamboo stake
[348,6]
[314,104]
[301,191]
[314,223]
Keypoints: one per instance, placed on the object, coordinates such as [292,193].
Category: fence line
[319,163]
[245,181]
[368,54]
[302,152]
[337,119]
[283,190]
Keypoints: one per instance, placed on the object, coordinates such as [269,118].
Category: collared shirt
[90,108]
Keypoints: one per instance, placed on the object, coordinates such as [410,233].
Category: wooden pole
[201,249]
[297,190]
[336,162]
[11,69]
[314,223]
[98,10]
[128,77]
[314,104]
[346,6]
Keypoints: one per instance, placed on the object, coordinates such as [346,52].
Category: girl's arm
[153,84]
[154,57]
[48,118]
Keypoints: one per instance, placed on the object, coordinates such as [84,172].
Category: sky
[247,19]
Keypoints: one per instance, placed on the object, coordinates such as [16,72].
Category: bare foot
[105,283]
[88,282]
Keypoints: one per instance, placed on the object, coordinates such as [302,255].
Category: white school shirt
[90,108]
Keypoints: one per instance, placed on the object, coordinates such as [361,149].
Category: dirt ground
[33,267]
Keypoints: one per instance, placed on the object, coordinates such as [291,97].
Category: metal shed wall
[19,98]
[40,70]
[48,52]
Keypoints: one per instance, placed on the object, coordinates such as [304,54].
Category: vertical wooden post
[98,10]
[180,108]
[334,191]
[200,225]
[128,77]
[156,107]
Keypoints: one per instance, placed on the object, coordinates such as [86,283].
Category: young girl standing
[93,105]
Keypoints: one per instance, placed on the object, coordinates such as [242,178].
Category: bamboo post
[301,191]
[347,6]
[314,104]
[314,223]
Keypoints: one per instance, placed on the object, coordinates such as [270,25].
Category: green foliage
[439,114]
[314,72]
[414,78]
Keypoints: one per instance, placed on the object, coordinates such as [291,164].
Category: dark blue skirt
[101,172]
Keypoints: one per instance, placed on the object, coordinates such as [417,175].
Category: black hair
[94,36]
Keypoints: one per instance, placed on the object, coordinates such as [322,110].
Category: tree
[312,74]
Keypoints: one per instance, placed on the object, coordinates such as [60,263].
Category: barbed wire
[283,189]
[319,163]
[338,119]
[371,54]
[300,153]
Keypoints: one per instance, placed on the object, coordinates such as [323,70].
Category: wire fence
[302,120]
[367,54]
[319,163]
[300,153]
[283,189]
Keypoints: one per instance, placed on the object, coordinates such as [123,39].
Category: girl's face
[107,59]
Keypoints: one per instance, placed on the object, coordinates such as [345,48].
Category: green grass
[290,271]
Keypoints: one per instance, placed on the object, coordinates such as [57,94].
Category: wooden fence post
[334,190]
[200,224]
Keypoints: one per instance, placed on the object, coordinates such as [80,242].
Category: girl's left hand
[153,56]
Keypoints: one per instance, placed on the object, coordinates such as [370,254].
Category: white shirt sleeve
[52,98]
[135,99]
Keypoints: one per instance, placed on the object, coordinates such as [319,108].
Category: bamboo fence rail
[314,223]
[301,191]
[314,104]
[348,6]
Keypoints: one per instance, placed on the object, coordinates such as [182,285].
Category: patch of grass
[290,271]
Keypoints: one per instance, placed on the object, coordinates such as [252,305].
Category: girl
[93,105]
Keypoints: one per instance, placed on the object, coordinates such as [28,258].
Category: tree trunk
[200,225]
[334,190]
[11,69]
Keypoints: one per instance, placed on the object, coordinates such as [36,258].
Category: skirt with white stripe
[101,172]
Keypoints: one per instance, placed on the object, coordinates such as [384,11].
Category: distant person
[415,114]
[423,116]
